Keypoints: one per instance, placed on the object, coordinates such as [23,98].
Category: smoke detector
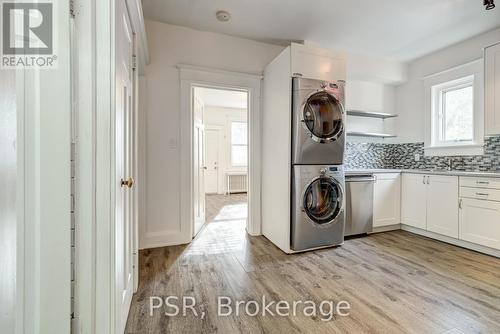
[223,16]
[489,4]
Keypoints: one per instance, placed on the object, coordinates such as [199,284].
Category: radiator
[237,183]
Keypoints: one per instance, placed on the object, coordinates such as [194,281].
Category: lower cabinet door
[386,200]
[480,222]
[414,200]
[442,205]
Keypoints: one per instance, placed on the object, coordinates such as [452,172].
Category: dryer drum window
[322,201]
[323,116]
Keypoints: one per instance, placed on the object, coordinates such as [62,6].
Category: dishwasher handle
[360,179]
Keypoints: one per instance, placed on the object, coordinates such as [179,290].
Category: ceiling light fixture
[490,4]
[224,16]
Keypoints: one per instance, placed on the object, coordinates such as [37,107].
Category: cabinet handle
[482,194]
[428,180]
[482,182]
[460,203]
[423,180]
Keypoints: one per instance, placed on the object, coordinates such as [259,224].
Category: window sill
[234,171]
[454,150]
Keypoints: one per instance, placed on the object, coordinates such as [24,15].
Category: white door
[442,205]
[199,167]
[124,279]
[387,200]
[480,222]
[8,208]
[212,155]
[414,200]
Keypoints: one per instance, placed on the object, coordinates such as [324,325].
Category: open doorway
[220,153]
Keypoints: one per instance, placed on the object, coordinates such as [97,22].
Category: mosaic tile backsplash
[402,156]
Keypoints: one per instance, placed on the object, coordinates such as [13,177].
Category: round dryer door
[322,117]
[322,200]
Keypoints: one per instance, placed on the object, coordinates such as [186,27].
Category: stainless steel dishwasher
[359,204]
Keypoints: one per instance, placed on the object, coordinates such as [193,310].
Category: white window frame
[231,162]
[438,111]
[434,86]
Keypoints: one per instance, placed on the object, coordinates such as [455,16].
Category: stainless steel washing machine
[317,206]
[318,122]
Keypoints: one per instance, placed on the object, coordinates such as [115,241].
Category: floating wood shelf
[370,134]
[371,114]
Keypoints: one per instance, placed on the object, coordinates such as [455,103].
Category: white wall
[375,69]
[410,96]
[171,45]
[369,96]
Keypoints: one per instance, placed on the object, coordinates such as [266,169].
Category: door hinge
[72,8]
[75,326]
[134,62]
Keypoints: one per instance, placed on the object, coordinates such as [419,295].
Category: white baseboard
[253,233]
[163,239]
[453,241]
[387,228]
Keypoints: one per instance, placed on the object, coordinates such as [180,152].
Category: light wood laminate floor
[396,282]
[223,208]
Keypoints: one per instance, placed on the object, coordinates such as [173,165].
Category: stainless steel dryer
[317,206]
[318,129]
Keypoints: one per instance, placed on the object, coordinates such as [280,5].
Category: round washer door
[322,200]
[322,117]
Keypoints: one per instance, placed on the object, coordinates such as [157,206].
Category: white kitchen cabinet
[387,200]
[492,90]
[480,222]
[317,63]
[430,202]
[414,200]
[442,205]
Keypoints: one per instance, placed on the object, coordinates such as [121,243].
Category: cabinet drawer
[480,193]
[476,182]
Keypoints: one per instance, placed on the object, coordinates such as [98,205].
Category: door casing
[193,76]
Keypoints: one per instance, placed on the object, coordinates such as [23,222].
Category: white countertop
[422,171]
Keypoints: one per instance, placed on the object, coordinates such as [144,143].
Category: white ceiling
[395,29]
[221,98]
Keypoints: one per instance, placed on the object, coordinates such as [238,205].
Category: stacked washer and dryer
[318,181]
[303,134]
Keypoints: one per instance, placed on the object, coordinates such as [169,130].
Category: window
[454,111]
[239,144]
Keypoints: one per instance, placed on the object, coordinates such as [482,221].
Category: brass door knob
[127,183]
